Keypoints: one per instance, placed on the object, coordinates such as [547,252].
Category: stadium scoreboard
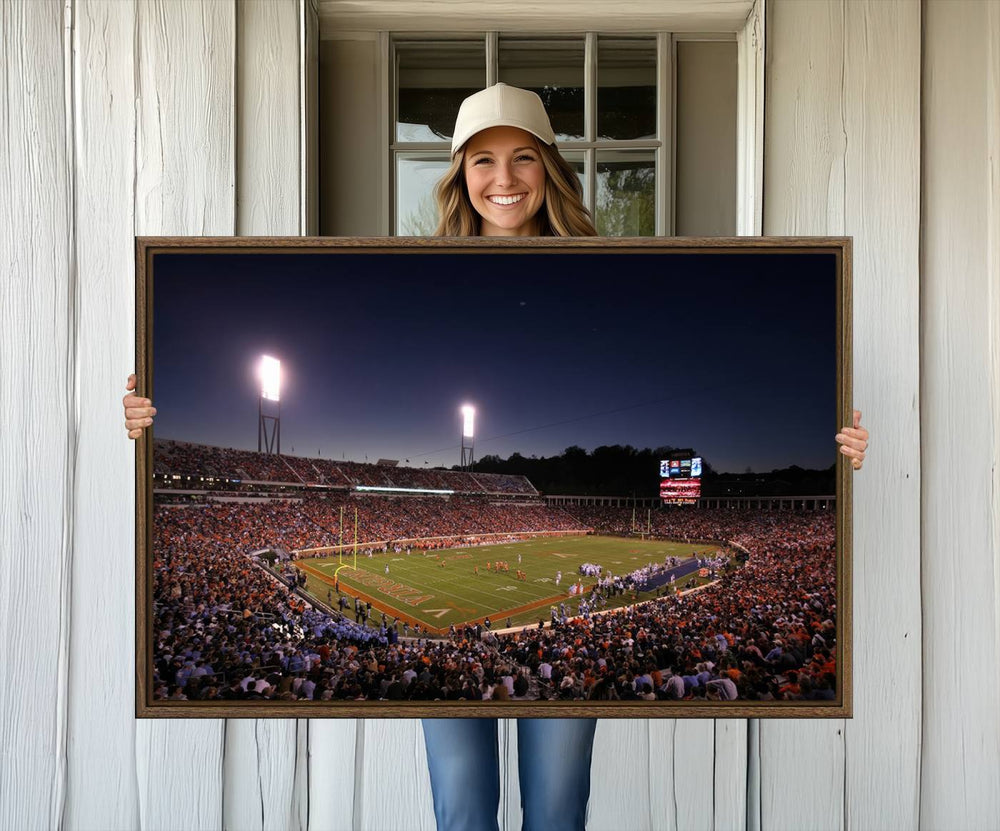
[680,479]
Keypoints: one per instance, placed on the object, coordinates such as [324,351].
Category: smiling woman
[507,178]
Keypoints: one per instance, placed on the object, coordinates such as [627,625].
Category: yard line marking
[488,602]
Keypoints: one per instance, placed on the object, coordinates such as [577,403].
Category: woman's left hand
[853,441]
[139,411]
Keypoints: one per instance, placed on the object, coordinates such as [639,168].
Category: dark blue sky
[731,354]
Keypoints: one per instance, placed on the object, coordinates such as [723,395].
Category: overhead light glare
[270,378]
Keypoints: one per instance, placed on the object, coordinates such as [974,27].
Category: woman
[507,179]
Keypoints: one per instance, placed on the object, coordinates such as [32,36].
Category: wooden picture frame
[739,347]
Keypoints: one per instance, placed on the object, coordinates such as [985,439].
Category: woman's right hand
[139,412]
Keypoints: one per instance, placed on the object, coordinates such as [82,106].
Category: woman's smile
[510,199]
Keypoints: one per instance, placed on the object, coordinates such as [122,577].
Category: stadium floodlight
[269,440]
[468,417]
[270,378]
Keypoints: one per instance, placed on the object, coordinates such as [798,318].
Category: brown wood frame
[146,250]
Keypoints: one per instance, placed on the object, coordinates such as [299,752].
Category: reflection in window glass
[626,193]
[416,176]
[432,80]
[554,70]
[626,88]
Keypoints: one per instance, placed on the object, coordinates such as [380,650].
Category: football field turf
[440,588]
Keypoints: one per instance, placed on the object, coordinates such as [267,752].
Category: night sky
[733,355]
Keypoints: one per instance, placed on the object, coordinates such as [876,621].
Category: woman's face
[506,181]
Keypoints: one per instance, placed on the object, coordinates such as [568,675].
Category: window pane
[416,175]
[626,193]
[626,88]
[432,79]
[553,69]
[577,162]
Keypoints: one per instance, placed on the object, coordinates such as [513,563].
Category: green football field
[419,589]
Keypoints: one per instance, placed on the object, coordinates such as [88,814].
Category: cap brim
[458,141]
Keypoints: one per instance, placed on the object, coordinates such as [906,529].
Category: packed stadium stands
[186,459]
[224,627]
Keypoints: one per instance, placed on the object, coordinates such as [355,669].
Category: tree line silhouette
[623,470]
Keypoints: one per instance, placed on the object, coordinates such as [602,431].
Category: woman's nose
[504,174]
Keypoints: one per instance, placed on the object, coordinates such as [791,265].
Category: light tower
[270,390]
[468,418]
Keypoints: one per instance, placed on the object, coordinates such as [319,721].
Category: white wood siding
[184,117]
[842,138]
[101,764]
[37,414]
[960,415]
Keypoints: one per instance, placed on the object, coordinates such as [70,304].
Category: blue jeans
[554,755]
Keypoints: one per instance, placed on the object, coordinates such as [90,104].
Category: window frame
[748,28]
[662,148]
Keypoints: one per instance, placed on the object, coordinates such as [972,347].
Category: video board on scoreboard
[680,480]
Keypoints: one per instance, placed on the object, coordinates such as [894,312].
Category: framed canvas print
[479,477]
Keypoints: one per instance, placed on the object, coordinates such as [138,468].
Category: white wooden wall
[960,415]
[882,121]
[842,143]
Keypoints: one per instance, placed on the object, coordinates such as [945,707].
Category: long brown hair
[562,214]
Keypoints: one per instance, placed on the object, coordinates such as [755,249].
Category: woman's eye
[525,159]
[481,160]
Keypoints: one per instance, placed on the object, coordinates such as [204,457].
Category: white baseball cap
[501,106]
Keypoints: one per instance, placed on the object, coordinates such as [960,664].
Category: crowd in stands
[186,459]
[764,632]
[388,518]
[605,519]
[224,627]
[690,525]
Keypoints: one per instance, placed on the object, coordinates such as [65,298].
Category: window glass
[626,88]
[432,80]
[626,193]
[554,70]
[416,176]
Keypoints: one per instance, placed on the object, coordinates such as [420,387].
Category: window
[609,99]
[648,121]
